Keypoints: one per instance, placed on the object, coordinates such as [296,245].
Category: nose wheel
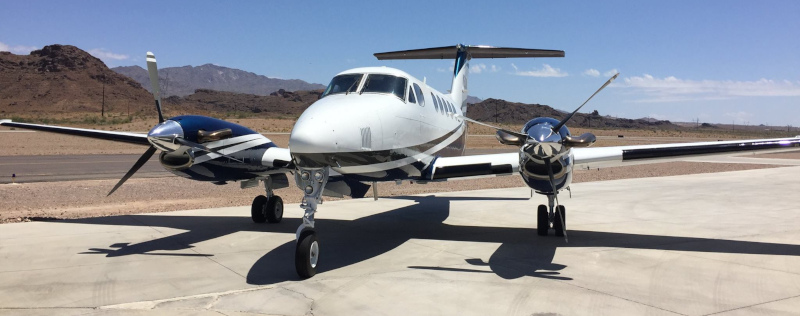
[306,254]
[556,216]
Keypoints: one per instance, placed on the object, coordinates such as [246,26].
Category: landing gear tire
[542,222]
[306,254]
[258,207]
[274,209]
[561,214]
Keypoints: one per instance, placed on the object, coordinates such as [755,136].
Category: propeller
[139,163]
[503,135]
[152,68]
[564,121]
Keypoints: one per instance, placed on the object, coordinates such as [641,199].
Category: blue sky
[719,61]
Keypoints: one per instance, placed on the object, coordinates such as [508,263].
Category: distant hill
[473,100]
[183,81]
[65,79]
[279,104]
[501,111]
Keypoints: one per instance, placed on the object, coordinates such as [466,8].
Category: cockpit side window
[411,98]
[376,83]
[343,84]
[420,96]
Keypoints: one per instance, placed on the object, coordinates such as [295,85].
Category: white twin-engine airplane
[381,124]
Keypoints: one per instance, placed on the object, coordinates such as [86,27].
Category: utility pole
[103,106]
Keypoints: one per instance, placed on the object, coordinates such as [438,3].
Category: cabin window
[385,84]
[411,98]
[343,84]
[435,103]
[420,96]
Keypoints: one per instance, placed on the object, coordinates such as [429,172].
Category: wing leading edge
[132,138]
[506,164]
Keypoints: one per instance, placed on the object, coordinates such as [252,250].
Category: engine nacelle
[177,160]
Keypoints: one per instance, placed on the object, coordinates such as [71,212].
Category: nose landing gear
[557,216]
[306,257]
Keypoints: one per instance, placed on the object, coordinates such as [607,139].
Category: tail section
[462,54]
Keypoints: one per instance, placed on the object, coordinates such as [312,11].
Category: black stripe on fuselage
[139,140]
[363,158]
[634,154]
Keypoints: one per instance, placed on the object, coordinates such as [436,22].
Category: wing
[444,168]
[619,155]
[132,138]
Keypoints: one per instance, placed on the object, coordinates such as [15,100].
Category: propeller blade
[564,121]
[508,133]
[139,163]
[203,148]
[585,140]
[152,69]
[555,193]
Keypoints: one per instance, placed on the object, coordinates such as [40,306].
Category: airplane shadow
[345,242]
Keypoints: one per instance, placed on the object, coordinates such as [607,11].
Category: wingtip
[5,121]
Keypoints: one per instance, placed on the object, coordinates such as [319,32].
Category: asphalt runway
[75,167]
[723,244]
[96,167]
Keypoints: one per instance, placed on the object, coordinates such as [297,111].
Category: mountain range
[183,81]
[63,80]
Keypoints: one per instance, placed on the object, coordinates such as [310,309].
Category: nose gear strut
[312,182]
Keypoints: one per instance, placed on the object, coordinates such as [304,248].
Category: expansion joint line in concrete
[190,248]
[622,298]
[753,305]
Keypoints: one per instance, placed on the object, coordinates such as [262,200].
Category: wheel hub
[313,254]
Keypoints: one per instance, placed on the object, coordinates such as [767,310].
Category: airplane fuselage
[378,124]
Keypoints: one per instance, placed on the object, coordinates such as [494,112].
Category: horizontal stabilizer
[475,51]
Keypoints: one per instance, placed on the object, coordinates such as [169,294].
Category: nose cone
[333,129]
[162,136]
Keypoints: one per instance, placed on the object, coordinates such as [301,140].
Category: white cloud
[546,71]
[610,72]
[105,54]
[591,72]
[494,68]
[673,89]
[17,49]
[477,68]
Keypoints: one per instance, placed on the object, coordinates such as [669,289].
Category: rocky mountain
[65,79]
[279,104]
[501,111]
[183,81]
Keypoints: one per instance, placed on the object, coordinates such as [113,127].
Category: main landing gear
[267,208]
[557,216]
[306,255]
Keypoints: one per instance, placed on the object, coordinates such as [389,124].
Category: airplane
[376,124]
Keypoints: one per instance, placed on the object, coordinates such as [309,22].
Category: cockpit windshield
[376,83]
[343,84]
